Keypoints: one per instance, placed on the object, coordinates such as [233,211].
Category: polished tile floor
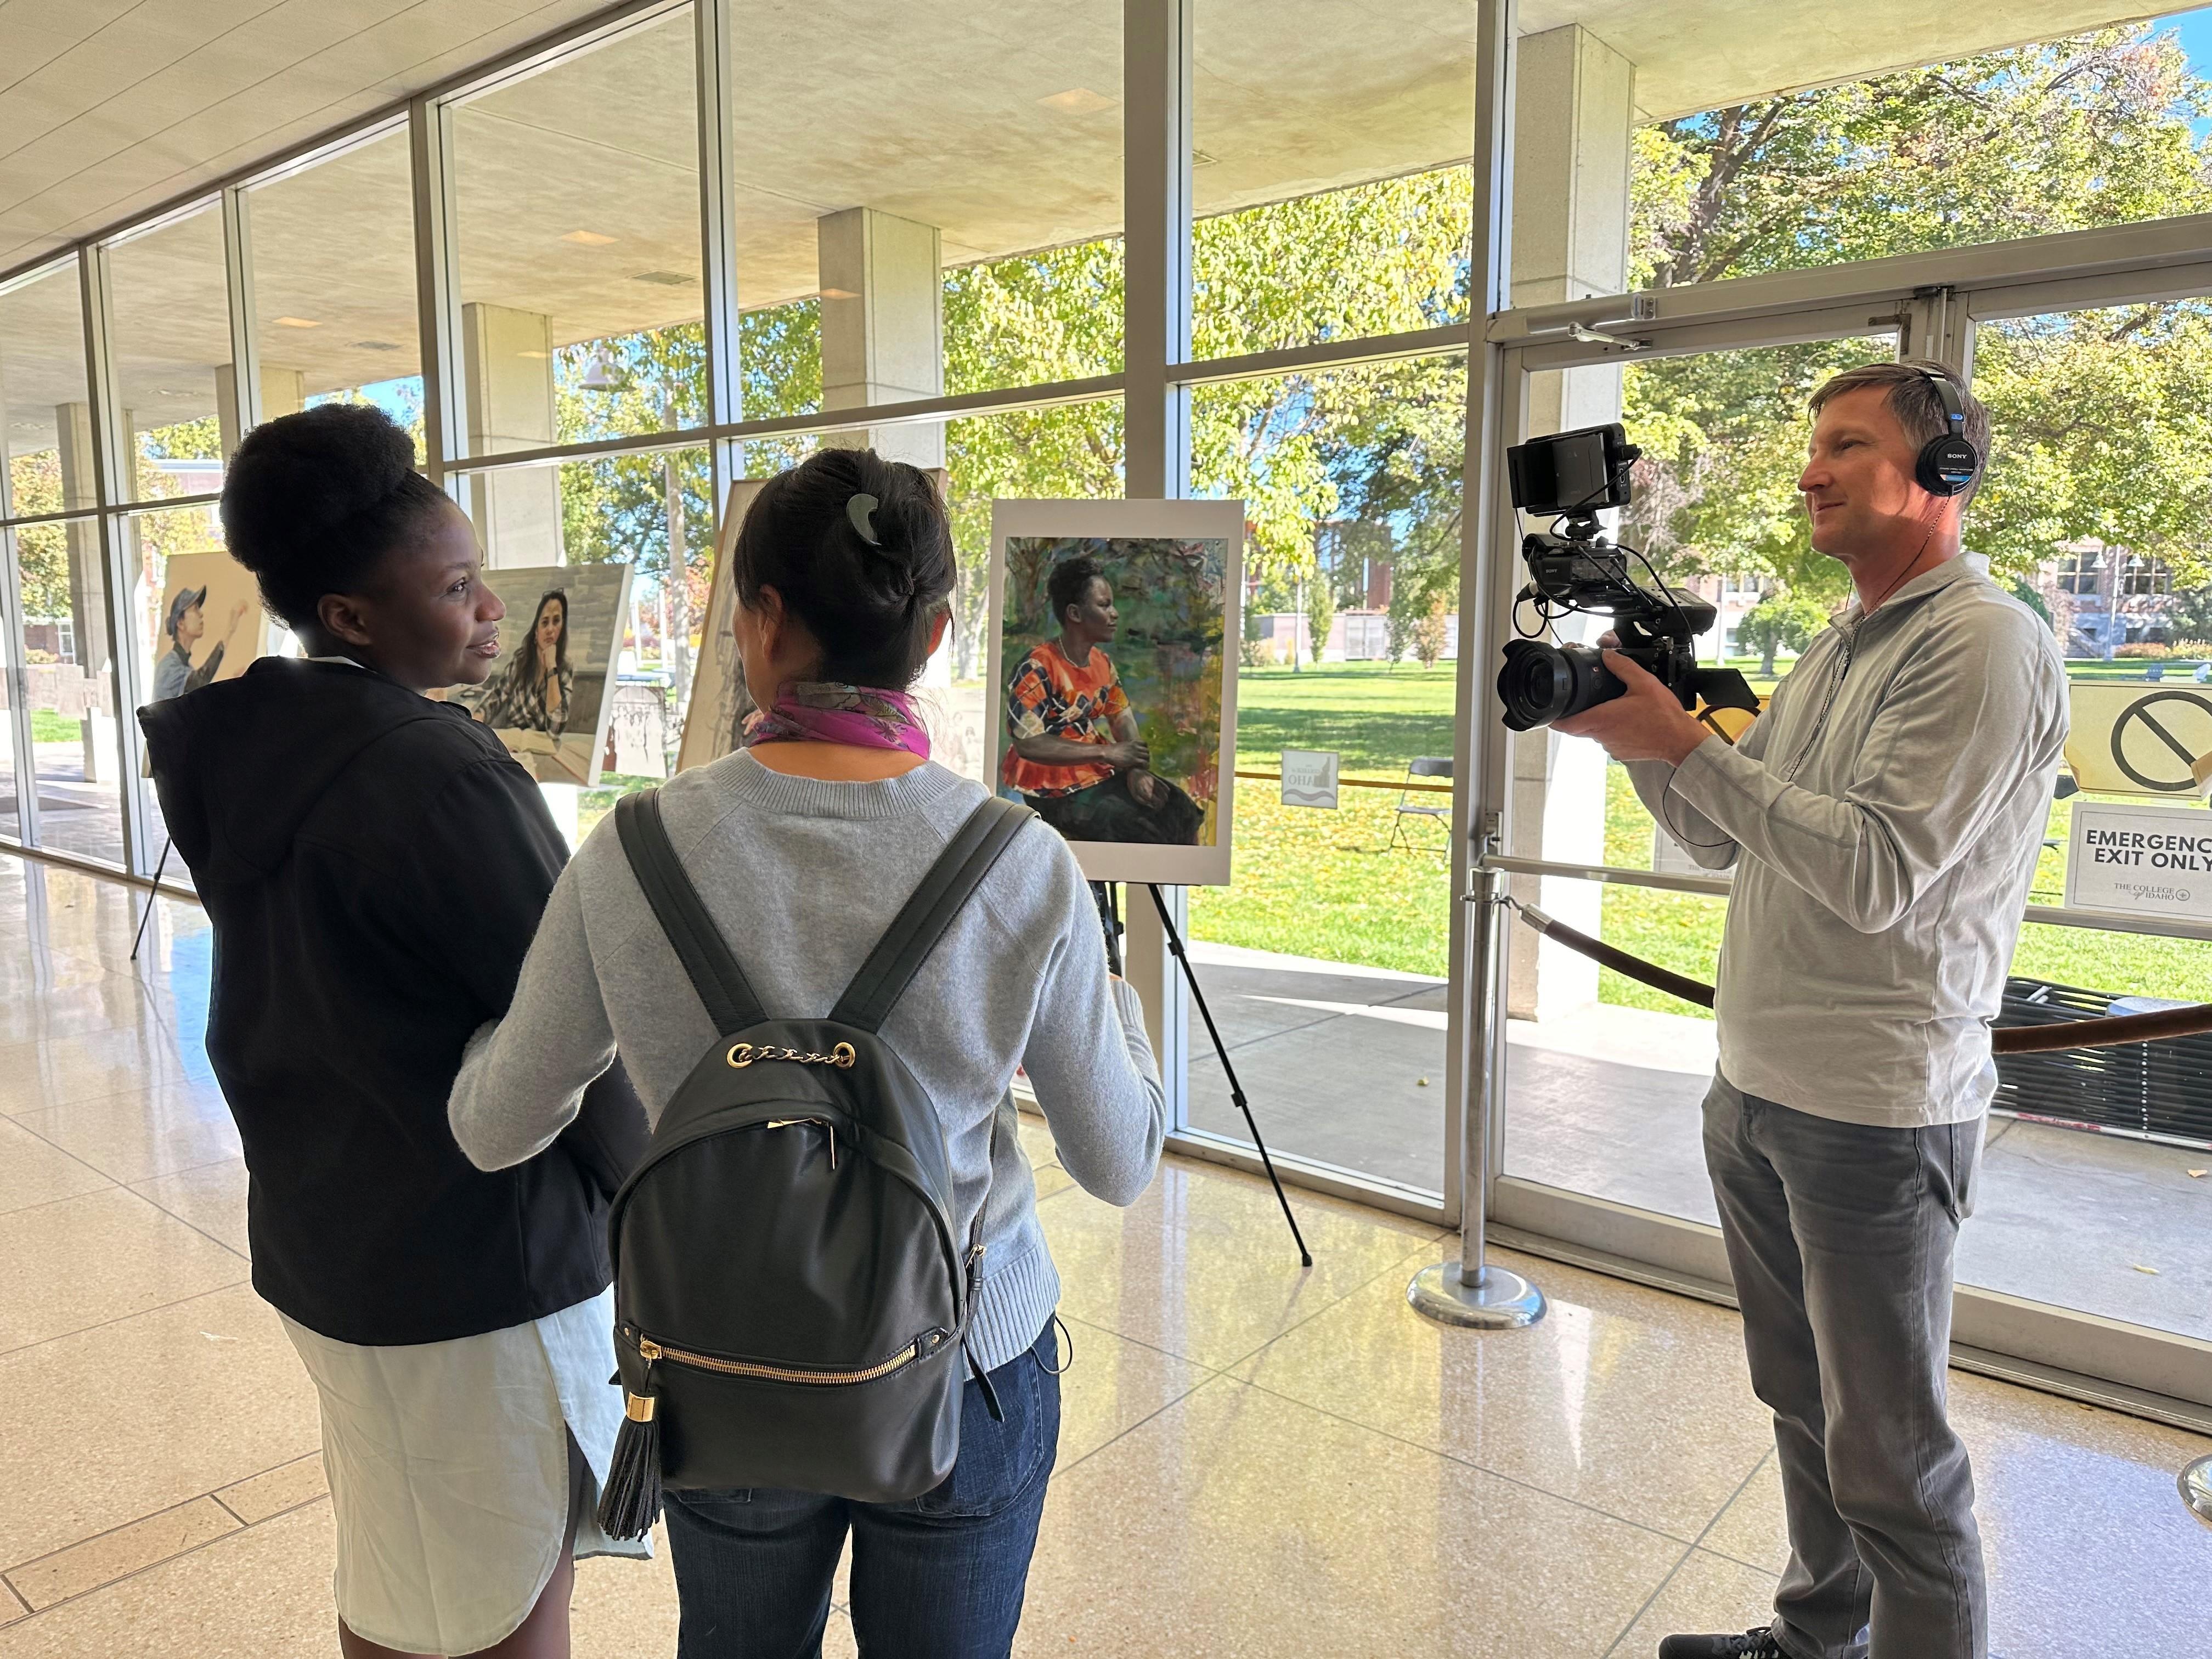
[1256,1460]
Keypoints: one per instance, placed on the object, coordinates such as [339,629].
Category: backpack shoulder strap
[721,983]
[913,934]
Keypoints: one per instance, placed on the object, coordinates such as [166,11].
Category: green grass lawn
[1683,931]
[47,726]
[1378,716]
[1326,883]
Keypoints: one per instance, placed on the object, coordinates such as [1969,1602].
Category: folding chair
[1421,766]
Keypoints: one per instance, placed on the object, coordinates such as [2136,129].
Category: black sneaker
[1752,1644]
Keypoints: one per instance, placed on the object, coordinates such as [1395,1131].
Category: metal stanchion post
[1470,1290]
[2197,1489]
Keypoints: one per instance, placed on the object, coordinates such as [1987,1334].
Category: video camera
[1570,477]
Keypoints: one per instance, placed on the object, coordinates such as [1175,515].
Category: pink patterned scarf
[823,711]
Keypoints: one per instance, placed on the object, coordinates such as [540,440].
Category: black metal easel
[1221,1049]
[153,894]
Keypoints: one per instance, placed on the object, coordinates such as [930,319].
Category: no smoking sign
[2137,739]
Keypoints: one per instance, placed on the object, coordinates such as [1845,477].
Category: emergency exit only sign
[2142,861]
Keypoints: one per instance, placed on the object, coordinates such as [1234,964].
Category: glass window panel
[1330,170]
[577,192]
[949,217]
[46,430]
[11,822]
[1324,959]
[1606,1076]
[2089,505]
[198,617]
[334,313]
[68,661]
[2096,1147]
[633,510]
[171,314]
[1738,171]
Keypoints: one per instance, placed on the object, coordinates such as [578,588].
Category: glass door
[1606,1076]
[2092,514]
[2084,1262]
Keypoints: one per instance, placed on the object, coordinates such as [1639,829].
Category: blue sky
[2195,28]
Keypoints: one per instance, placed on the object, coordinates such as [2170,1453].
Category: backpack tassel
[631,1503]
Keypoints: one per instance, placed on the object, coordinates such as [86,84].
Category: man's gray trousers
[1840,1238]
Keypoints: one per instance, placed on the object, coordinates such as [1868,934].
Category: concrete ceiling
[1000,123]
[1693,55]
[110,106]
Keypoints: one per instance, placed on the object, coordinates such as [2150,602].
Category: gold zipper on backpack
[653,1353]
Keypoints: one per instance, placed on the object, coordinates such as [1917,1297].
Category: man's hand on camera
[1644,723]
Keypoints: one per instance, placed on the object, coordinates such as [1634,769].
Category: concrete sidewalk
[1345,1065]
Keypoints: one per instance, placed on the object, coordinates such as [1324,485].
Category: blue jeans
[940,1577]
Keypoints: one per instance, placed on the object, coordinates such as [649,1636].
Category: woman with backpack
[375,866]
[848,1098]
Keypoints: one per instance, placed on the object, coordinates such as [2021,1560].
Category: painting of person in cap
[186,626]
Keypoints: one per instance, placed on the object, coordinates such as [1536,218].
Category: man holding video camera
[1883,816]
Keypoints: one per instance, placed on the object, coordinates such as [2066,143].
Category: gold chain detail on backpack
[743,1055]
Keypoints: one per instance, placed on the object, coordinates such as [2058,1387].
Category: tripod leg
[153,897]
[1235,1089]
[1101,893]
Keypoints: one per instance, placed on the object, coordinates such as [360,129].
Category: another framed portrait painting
[1112,682]
[550,693]
[209,624]
[714,724]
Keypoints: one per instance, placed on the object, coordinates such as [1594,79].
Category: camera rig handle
[1719,687]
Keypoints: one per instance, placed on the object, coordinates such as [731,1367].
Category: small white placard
[1309,778]
[2141,860]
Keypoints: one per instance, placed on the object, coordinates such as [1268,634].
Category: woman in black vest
[374,865]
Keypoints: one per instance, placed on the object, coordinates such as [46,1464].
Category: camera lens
[1542,683]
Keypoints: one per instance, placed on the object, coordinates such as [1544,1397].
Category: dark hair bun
[866,582]
[312,501]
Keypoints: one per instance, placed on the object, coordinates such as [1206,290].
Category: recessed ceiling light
[838,294]
[587,239]
[1076,100]
[297,322]
[664,278]
[533,353]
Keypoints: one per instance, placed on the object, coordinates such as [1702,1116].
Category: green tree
[2101,128]
[1431,633]
[655,510]
[1380,443]
[1780,622]
[1320,613]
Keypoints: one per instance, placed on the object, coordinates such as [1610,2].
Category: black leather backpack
[791,1301]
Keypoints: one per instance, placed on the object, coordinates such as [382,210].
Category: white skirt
[448,1469]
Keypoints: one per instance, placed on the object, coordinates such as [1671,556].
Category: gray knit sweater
[803,876]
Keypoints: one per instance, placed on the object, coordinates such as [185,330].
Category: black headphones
[1948,461]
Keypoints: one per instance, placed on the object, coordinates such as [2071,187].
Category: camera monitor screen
[1571,472]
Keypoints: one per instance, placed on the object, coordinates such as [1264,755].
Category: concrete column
[883,326]
[507,369]
[1574,123]
[283,392]
[80,489]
